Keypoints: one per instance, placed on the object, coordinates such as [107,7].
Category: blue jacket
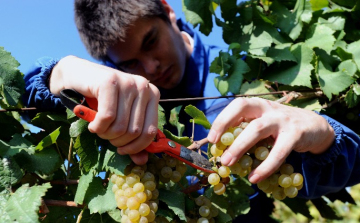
[329,172]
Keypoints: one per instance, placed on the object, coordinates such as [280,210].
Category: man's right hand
[127,104]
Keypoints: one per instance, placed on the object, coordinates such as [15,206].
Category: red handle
[85,113]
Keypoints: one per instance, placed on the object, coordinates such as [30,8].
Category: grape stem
[198,144]
[59,203]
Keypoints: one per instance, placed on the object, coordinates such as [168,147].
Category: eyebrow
[147,37]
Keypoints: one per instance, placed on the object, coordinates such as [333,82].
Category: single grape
[150,185]
[138,187]
[138,170]
[153,206]
[143,220]
[215,151]
[120,180]
[291,191]
[219,188]
[148,177]
[166,172]
[114,188]
[151,216]
[171,162]
[141,196]
[155,194]
[204,211]
[224,171]
[274,179]
[278,193]
[245,161]
[256,163]
[236,132]
[261,153]
[220,146]
[199,201]
[264,184]
[227,138]
[297,179]
[235,168]
[129,192]
[284,180]
[148,194]
[121,202]
[113,178]
[243,125]
[203,220]
[134,215]
[175,177]
[286,169]
[132,203]
[144,209]
[181,168]
[132,179]
[213,178]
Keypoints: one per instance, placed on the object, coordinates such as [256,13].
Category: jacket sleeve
[335,169]
[37,93]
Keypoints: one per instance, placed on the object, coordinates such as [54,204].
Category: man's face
[153,49]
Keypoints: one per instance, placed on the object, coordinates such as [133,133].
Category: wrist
[55,79]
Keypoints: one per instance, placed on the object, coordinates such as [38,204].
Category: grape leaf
[84,183]
[185,141]
[354,48]
[12,84]
[351,98]
[9,126]
[115,163]
[318,4]
[320,36]
[44,162]
[161,118]
[198,13]
[10,172]
[256,87]
[348,67]
[98,198]
[298,74]
[23,205]
[78,127]
[174,120]
[11,150]
[311,104]
[334,22]
[48,140]
[332,83]
[175,200]
[298,205]
[87,149]
[198,116]
[325,210]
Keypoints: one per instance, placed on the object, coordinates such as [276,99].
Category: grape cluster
[283,183]
[136,193]
[206,211]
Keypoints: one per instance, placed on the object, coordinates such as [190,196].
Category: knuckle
[134,131]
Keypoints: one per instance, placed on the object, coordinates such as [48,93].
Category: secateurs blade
[79,105]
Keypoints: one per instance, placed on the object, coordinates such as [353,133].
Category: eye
[128,65]
[151,43]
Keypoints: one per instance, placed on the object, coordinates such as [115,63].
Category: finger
[277,156]
[248,108]
[150,127]
[135,119]
[256,131]
[140,158]
[107,106]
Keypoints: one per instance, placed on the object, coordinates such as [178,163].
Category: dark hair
[102,23]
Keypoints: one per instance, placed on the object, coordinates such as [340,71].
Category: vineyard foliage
[311,48]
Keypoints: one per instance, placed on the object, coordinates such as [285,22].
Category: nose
[151,65]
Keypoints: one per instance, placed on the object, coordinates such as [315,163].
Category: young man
[149,52]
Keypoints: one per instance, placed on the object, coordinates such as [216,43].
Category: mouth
[164,76]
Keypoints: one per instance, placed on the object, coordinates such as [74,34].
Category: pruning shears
[84,108]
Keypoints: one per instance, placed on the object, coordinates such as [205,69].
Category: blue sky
[36,28]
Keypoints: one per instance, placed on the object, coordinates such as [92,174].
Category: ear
[170,11]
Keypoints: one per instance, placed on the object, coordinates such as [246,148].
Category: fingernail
[212,136]
[226,158]
[254,178]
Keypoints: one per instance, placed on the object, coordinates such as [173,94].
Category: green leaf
[44,162]
[23,205]
[256,87]
[298,205]
[311,104]
[48,140]
[348,67]
[332,83]
[115,215]
[84,183]
[298,74]
[185,141]
[325,210]
[9,126]
[198,13]
[161,118]
[334,22]
[78,127]
[10,172]
[100,199]
[15,147]
[12,84]
[320,36]
[318,4]
[351,98]
[175,201]
[174,120]
[232,82]
[198,116]
[354,48]
[281,53]
[87,149]
[116,163]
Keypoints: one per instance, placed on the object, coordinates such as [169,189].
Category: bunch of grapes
[136,193]
[283,183]
[206,212]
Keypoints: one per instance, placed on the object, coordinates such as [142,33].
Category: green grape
[150,185]
[132,179]
[224,171]
[175,177]
[284,180]
[138,187]
[297,179]
[213,178]
[138,170]
[286,169]
[125,219]
[120,180]
[274,179]
[166,172]
[236,132]
[148,177]
[243,125]
[114,188]
[215,151]
[264,184]
[220,146]
[141,196]
[119,193]
[204,211]
[255,163]
[171,161]
[278,193]
[261,153]
[291,191]
[134,215]
[132,203]
[199,201]
[245,161]
[151,216]
[243,172]
[143,220]
[219,188]
[153,206]
[299,187]
[235,168]
[214,211]
[121,202]
[181,168]
[155,194]
[202,220]
[129,192]
[148,194]
[160,164]
[227,138]
[144,209]
[113,178]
